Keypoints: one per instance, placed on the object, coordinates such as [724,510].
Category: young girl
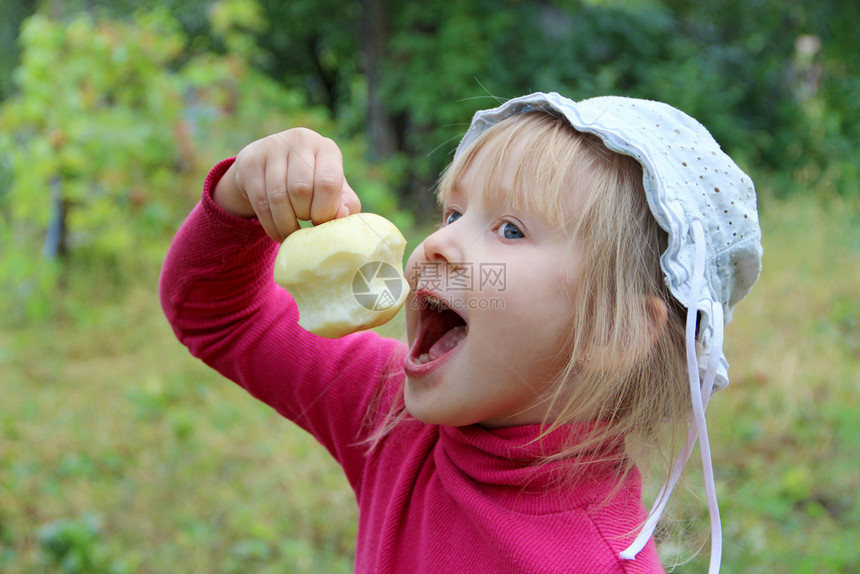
[572,299]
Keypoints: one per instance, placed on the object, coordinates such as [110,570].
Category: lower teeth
[426,358]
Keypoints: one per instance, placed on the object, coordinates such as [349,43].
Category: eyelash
[447,220]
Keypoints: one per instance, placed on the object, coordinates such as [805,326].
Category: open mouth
[440,330]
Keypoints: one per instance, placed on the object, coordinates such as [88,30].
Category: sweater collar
[517,457]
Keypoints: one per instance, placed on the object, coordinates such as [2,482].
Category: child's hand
[285,177]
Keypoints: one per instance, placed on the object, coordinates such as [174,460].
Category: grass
[121,453]
[119,448]
[787,431]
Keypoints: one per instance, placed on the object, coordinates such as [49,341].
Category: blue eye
[451,217]
[510,231]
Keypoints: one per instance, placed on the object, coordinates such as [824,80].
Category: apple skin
[318,266]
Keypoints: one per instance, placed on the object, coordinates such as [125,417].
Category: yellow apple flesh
[345,275]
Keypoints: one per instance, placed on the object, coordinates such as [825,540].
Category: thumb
[349,202]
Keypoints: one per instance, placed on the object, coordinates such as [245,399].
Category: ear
[658,316]
[605,359]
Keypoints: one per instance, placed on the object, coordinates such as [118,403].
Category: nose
[443,245]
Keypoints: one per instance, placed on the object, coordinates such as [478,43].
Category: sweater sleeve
[218,294]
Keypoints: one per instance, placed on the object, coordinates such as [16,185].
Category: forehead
[531,162]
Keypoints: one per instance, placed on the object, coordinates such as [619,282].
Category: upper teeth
[436,302]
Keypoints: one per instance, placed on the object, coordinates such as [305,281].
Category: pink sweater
[431,499]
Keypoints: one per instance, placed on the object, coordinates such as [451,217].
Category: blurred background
[120,453]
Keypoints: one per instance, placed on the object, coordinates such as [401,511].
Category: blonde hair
[622,372]
[625,369]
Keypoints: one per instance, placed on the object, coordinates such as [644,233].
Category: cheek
[550,317]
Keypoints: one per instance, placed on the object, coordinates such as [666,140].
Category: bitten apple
[345,275]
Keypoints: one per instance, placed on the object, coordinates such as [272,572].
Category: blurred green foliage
[90,170]
[74,547]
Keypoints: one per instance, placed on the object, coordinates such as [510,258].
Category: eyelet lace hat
[708,207]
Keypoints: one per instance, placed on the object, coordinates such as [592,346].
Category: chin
[414,408]
[427,414]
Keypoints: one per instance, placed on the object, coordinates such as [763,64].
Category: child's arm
[218,293]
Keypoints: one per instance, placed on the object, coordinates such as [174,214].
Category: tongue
[447,342]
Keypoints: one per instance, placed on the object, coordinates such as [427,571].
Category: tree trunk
[380,124]
[56,245]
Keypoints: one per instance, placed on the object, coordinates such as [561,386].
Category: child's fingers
[251,182]
[281,207]
[328,182]
[300,180]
